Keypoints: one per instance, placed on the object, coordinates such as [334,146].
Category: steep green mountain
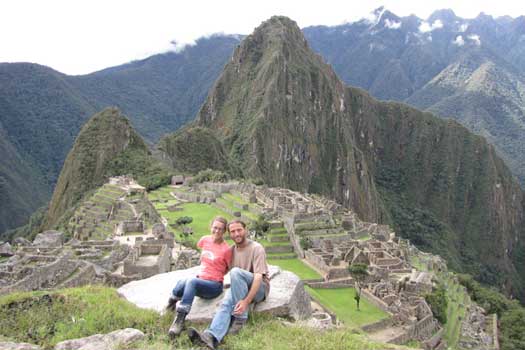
[283,114]
[471,70]
[107,145]
[487,96]
[193,149]
[42,111]
[19,182]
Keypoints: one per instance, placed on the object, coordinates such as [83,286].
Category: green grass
[341,302]
[296,266]
[264,333]
[202,215]
[455,313]
[227,200]
[45,318]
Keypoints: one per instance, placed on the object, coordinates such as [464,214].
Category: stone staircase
[277,242]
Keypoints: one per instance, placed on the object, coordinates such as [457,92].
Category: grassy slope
[46,318]
[296,266]
[341,301]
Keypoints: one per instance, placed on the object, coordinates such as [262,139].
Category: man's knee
[235,273]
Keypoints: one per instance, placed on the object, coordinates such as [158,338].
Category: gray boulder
[21,241]
[6,250]
[111,341]
[49,239]
[18,346]
[287,297]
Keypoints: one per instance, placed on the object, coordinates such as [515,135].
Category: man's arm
[242,305]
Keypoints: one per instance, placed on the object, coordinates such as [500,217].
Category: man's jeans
[189,288]
[241,281]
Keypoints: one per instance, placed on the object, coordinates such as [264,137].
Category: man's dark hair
[236,222]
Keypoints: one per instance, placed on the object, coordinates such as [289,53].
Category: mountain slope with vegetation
[282,113]
[107,145]
[471,70]
[42,111]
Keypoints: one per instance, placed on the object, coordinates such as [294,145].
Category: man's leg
[241,282]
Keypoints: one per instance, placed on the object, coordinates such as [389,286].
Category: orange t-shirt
[215,259]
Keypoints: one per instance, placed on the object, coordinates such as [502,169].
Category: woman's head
[218,227]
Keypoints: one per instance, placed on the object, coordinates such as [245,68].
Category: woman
[215,262]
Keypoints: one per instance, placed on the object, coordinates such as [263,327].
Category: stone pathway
[385,335]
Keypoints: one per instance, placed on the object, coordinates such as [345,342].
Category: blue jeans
[241,281]
[187,289]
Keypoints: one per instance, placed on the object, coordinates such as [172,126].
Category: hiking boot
[203,338]
[172,302]
[236,325]
[178,325]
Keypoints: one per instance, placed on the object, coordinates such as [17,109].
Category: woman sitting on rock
[215,262]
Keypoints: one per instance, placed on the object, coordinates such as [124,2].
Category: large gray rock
[21,241]
[287,298]
[49,239]
[6,249]
[111,341]
[18,346]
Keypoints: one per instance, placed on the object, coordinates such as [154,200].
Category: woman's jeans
[187,289]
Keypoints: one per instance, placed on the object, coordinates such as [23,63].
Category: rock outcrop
[5,249]
[287,297]
[111,341]
[49,239]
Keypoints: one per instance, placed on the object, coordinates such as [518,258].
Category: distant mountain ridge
[42,111]
[471,70]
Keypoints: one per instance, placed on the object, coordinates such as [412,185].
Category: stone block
[287,297]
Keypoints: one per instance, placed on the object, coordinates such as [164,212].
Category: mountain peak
[444,15]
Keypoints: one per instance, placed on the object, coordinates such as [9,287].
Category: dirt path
[385,335]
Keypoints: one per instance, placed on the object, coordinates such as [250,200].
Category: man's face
[237,233]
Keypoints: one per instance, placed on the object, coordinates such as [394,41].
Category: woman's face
[217,230]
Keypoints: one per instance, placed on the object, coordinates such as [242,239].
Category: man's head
[238,232]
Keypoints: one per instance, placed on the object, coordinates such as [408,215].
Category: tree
[183,221]
[260,227]
[359,272]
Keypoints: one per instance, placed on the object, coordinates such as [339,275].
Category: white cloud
[463,27]
[459,41]
[475,39]
[392,24]
[427,27]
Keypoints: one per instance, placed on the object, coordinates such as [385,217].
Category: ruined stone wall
[375,301]
[85,275]
[377,326]
[45,276]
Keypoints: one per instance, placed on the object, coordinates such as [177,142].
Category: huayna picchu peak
[282,113]
[107,145]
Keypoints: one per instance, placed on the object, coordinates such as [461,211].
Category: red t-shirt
[215,259]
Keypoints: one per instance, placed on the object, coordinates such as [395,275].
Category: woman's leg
[198,287]
[178,291]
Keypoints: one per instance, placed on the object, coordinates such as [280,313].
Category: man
[250,282]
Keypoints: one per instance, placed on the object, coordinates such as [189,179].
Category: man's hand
[241,307]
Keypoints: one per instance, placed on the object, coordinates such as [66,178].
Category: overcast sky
[79,37]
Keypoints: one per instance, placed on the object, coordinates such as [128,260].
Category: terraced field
[341,302]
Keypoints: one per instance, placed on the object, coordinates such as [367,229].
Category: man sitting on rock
[250,282]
